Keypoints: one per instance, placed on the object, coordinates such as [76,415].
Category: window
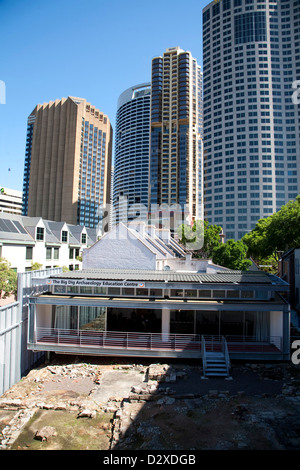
[176,293]
[190,293]
[40,233]
[128,291]
[48,253]
[156,293]
[250,27]
[29,251]
[55,253]
[64,236]
[83,238]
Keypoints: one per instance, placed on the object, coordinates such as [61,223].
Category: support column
[165,324]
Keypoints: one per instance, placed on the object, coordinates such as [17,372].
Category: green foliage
[8,279]
[36,266]
[274,234]
[269,264]
[232,255]
[207,236]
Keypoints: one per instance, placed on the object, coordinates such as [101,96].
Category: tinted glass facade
[131,166]
[176,132]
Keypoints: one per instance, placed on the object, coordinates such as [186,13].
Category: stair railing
[203,354]
[226,353]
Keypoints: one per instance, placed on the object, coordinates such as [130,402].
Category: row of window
[52,253]
[40,235]
[162,293]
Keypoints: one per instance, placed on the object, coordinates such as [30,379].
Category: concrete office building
[10,200]
[176,132]
[251,57]
[131,164]
[68,162]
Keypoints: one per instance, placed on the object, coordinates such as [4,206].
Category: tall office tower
[67,162]
[251,56]
[176,132]
[131,164]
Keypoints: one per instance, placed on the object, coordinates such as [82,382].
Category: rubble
[71,387]
[45,433]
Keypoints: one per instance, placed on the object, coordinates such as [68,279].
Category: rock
[45,433]
[169,401]
[86,413]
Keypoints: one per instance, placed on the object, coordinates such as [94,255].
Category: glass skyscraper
[176,133]
[251,57]
[131,163]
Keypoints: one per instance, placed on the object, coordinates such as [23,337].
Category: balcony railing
[96,339]
[119,340]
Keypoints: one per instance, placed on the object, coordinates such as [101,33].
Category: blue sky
[94,49]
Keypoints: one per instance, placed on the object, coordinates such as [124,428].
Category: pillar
[165,324]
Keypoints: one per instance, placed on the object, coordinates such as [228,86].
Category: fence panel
[15,360]
[10,346]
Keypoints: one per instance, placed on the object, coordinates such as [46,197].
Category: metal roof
[227,277]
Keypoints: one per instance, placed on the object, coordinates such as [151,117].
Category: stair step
[216,367]
[213,374]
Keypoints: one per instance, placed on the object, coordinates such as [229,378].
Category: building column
[165,324]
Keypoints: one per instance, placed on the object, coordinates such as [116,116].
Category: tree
[276,233]
[8,279]
[36,266]
[231,255]
[201,238]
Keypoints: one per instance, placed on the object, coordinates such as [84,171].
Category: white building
[28,240]
[141,246]
[251,57]
[10,201]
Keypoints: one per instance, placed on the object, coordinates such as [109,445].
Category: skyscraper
[251,56]
[131,164]
[67,162]
[176,132]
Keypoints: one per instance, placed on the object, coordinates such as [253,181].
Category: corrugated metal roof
[230,277]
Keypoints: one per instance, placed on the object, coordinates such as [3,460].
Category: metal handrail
[119,339]
[156,341]
[203,350]
[226,353]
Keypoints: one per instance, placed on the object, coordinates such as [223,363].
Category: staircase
[215,356]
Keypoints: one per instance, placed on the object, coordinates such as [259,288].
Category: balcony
[123,343]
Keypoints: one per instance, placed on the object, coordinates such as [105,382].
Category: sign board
[93,283]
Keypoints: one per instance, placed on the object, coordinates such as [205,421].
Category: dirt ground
[105,404]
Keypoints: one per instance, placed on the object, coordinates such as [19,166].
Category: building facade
[131,164]
[140,312]
[67,174]
[251,58]
[10,201]
[25,241]
[139,294]
[176,133]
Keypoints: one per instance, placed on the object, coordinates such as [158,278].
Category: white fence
[10,345]
[15,359]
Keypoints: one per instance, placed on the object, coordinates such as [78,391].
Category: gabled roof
[12,228]
[20,228]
